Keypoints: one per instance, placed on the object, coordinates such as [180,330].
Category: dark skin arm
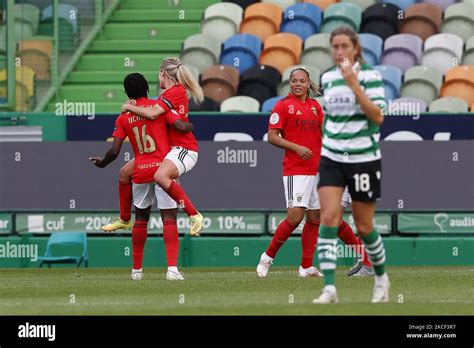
[183,127]
[110,156]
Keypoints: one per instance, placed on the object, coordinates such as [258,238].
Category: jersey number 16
[145,143]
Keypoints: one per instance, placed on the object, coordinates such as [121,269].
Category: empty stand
[403,4]
[363,4]
[402,51]
[207,105]
[341,14]
[322,4]
[220,82]
[240,104]
[269,104]
[260,82]
[281,51]
[371,47]
[241,51]
[392,78]
[459,82]
[459,20]
[382,20]
[468,58]
[201,51]
[443,51]
[423,20]
[302,20]
[422,82]
[243,3]
[409,106]
[317,52]
[36,53]
[284,4]
[449,105]
[443,4]
[262,20]
[222,20]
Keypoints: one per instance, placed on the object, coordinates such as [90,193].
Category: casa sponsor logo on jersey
[447,224]
[66,108]
[239,156]
[28,330]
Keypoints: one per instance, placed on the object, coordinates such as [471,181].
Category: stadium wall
[243,252]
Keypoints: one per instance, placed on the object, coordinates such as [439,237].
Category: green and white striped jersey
[348,135]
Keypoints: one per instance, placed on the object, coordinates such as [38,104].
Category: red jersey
[149,139]
[176,98]
[301,123]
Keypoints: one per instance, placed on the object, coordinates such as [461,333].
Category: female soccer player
[295,125]
[354,100]
[175,79]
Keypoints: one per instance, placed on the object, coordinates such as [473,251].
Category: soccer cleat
[328,296]
[264,265]
[380,292]
[117,224]
[309,272]
[173,275]
[196,224]
[365,271]
[356,268]
[137,274]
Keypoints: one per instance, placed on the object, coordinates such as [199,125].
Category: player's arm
[110,156]
[151,113]
[275,139]
[183,127]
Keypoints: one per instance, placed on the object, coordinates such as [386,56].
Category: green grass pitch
[230,291]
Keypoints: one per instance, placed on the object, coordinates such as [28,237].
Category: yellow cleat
[196,224]
[117,224]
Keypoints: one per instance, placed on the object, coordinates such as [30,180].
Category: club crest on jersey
[314,111]
[299,113]
[299,197]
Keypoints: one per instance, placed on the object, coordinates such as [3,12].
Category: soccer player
[150,143]
[295,125]
[175,80]
[354,100]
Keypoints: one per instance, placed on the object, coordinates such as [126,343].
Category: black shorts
[363,179]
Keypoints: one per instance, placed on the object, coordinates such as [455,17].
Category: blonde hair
[313,89]
[181,74]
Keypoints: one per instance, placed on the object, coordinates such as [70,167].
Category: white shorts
[182,158]
[302,191]
[144,196]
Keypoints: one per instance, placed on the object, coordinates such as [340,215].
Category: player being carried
[150,143]
[175,80]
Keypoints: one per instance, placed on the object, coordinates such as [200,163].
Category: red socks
[309,237]
[170,237]
[139,234]
[126,197]
[282,233]
[349,238]
[177,193]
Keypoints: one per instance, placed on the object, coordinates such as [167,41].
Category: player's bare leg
[165,177]
[125,201]
[363,216]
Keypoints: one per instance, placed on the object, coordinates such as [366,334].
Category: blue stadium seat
[64,13]
[66,239]
[303,20]
[241,51]
[403,4]
[372,48]
[268,105]
[392,79]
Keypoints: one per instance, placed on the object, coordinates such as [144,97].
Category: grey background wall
[58,176]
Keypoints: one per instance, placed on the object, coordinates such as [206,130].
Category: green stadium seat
[317,52]
[459,20]
[363,4]
[240,104]
[63,239]
[83,77]
[201,51]
[422,82]
[29,15]
[95,93]
[341,14]
[284,86]
[222,20]
[166,4]
[449,105]
[468,58]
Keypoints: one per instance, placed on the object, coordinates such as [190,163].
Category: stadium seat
[201,51]
[317,52]
[459,82]
[302,20]
[449,105]
[469,52]
[281,51]
[392,78]
[222,20]
[36,53]
[27,17]
[341,14]
[371,47]
[459,20]
[409,106]
[241,51]
[441,3]
[443,51]
[207,105]
[322,4]
[363,4]
[68,26]
[422,82]
[423,20]
[269,104]
[284,86]
[21,92]
[220,82]
[260,82]
[402,51]
[381,19]
[63,239]
[262,20]
[403,4]
[243,3]
[284,4]
[240,104]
